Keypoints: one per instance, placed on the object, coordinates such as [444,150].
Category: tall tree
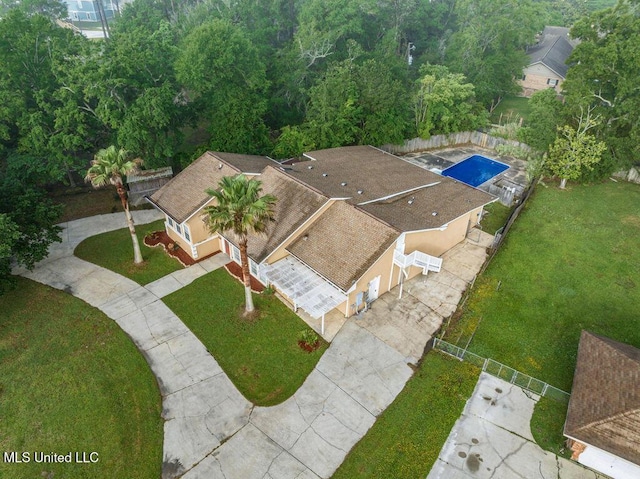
[239,208]
[27,226]
[546,114]
[488,44]
[109,166]
[226,82]
[603,75]
[575,150]
[445,102]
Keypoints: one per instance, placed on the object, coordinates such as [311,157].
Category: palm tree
[108,167]
[240,208]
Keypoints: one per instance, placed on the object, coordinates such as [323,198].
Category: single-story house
[603,420]
[547,61]
[350,223]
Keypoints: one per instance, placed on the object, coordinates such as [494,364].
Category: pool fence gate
[502,371]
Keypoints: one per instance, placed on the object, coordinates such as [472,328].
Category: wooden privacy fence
[502,371]
[453,139]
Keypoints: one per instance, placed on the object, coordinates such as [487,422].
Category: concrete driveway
[492,440]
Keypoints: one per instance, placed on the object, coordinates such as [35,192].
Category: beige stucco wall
[536,77]
[178,240]
[199,231]
[436,242]
[381,268]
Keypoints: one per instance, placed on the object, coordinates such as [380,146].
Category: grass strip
[407,438]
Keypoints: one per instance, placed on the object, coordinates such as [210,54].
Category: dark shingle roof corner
[604,409]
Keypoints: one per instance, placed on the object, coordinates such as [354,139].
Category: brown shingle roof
[414,211]
[378,174]
[604,410]
[295,204]
[185,193]
[343,243]
[374,172]
[250,164]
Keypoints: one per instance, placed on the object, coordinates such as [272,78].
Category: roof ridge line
[297,180]
[607,419]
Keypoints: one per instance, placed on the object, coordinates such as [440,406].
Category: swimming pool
[475,170]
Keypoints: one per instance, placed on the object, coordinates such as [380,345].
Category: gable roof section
[185,194]
[249,164]
[604,409]
[553,50]
[295,204]
[414,211]
[343,243]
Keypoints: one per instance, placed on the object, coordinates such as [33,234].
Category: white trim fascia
[310,157]
[210,238]
[299,228]
[399,193]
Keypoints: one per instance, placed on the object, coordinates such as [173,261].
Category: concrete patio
[408,323]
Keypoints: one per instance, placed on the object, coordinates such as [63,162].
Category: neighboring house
[603,420]
[547,61]
[350,223]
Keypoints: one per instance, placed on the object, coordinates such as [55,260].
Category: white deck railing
[418,258]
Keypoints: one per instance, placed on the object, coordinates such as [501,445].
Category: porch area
[408,321]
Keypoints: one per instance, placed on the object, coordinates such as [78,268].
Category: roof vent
[220,166]
[325,174]
[360,192]
[344,183]
[435,213]
[310,167]
[411,200]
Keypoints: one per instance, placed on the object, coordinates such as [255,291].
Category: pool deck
[514,177]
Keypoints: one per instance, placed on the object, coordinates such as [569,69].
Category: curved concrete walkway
[211,430]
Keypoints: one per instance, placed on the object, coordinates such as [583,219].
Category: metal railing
[502,371]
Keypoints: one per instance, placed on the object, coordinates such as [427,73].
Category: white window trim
[181,229]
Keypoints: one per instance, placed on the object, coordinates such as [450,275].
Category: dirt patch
[631,220]
[309,347]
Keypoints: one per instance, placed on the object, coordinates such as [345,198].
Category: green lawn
[407,437]
[569,263]
[72,381]
[547,425]
[495,217]
[114,251]
[510,110]
[261,356]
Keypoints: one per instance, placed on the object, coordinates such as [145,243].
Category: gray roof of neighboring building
[604,409]
[553,50]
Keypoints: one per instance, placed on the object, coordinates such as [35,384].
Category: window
[236,254]
[187,236]
[254,268]
[552,82]
[170,221]
[178,229]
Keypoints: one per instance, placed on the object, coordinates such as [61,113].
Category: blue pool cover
[475,170]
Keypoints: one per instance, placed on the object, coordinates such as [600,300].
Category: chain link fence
[502,371]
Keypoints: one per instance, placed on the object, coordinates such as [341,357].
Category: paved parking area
[492,439]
